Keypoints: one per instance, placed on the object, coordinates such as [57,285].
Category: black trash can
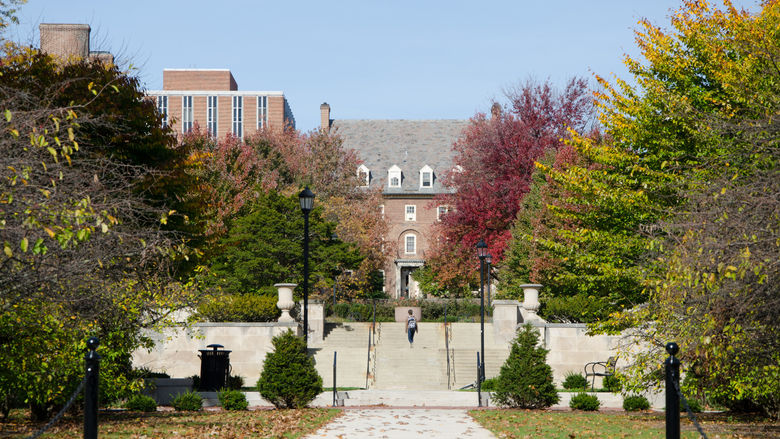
[214,368]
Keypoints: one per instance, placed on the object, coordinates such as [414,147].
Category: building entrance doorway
[409,288]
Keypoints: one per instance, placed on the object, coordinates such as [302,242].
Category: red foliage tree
[495,159]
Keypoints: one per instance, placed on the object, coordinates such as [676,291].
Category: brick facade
[411,147]
[202,83]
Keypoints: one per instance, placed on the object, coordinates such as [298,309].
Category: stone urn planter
[285,302]
[531,300]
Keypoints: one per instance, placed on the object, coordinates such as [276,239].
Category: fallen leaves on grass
[204,424]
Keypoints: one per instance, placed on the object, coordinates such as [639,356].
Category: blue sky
[424,59]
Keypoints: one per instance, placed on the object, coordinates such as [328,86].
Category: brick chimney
[325,116]
[495,110]
[65,40]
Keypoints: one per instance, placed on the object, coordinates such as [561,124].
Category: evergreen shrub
[240,308]
[574,380]
[195,382]
[141,403]
[693,404]
[289,379]
[489,385]
[235,382]
[526,380]
[612,383]
[584,401]
[187,402]
[635,403]
[232,400]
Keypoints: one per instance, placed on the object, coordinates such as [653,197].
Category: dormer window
[394,176]
[426,177]
[364,175]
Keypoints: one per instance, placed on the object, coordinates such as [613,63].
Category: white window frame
[426,170]
[186,114]
[410,239]
[394,173]
[212,114]
[364,180]
[262,112]
[441,210]
[162,108]
[238,116]
[410,212]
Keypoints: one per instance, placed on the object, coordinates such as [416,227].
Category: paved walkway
[402,424]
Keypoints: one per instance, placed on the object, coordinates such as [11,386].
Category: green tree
[682,196]
[526,380]
[264,247]
[289,379]
[86,251]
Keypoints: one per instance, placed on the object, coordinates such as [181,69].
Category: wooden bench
[600,369]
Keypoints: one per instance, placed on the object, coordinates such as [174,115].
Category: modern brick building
[408,159]
[210,98]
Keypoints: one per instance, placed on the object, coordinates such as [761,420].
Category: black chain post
[334,378]
[91,390]
[672,398]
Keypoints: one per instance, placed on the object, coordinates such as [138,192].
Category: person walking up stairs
[411,327]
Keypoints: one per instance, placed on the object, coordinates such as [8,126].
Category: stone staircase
[350,341]
[395,365]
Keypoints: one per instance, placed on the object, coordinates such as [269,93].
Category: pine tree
[289,379]
[526,380]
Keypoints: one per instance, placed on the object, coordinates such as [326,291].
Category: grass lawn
[211,424]
[569,425]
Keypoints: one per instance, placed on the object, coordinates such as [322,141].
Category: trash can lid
[215,346]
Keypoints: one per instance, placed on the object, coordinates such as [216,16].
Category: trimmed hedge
[489,384]
[463,310]
[635,403]
[574,380]
[141,403]
[240,308]
[583,401]
[232,400]
[187,402]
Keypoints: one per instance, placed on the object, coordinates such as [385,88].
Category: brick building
[210,98]
[408,159]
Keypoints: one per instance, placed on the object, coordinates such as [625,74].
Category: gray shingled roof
[408,144]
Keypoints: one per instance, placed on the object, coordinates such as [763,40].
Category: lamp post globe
[306,198]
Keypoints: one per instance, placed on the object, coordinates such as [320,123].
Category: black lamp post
[488,261]
[482,254]
[306,197]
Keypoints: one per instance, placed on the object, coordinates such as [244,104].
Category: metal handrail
[447,348]
[368,358]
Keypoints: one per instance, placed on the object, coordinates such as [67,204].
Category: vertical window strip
[262,112]
[238,106]
[162,108]
[186,114]
[211,115]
